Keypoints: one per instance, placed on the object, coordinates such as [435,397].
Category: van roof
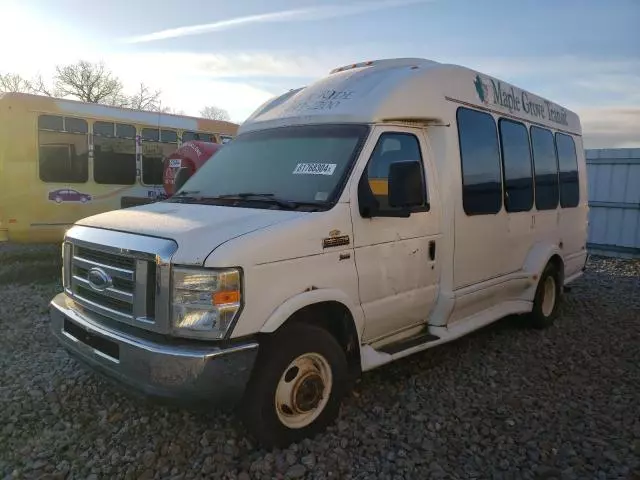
[401,90]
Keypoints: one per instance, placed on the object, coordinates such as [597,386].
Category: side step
[422,337]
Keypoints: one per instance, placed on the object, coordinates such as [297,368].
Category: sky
[581,54]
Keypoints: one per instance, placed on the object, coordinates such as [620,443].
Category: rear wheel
[297,386]
[548,299]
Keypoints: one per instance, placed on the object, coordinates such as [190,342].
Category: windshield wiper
[192,196]
[260,197]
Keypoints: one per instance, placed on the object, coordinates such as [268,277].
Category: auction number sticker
[314,169]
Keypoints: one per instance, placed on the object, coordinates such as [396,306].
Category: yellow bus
[62,160]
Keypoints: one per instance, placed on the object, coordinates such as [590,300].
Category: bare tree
[40,86]
[145,99]
[12,82]
[88,82]
[214,113]
[171,110]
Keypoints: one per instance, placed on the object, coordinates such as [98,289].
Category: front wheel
[297,386]
[548,299]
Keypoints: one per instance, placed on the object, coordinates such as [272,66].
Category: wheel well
[557,262]
[337,320]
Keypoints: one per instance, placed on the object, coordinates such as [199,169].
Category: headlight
[205,302]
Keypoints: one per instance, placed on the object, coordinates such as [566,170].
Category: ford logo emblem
[99,280]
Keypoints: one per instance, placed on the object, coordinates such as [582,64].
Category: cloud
[610,127]
[295,15]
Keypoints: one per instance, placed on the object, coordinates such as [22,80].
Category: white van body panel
[191,226]
[287,267]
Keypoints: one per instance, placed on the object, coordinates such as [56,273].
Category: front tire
[548,299]
[296,387]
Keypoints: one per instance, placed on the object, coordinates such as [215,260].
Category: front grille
[105,258]
[126,291]
[117,278]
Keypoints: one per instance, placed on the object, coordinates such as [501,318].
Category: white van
[390,207]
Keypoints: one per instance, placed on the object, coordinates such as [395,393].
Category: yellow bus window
[203,137]
[125,131]
[63,150]
[114,154]
[151,134]
[154,153]
[168,136]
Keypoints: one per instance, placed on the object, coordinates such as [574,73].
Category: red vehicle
[186,160]
[190,156]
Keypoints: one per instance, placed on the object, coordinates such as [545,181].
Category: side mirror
[182,175]
[405,185]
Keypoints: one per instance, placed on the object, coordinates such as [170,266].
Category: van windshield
[284,167]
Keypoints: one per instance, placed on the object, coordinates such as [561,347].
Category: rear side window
[568,171]
[546,168]
[516,164]
[480,156]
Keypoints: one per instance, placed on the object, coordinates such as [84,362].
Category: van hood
[198,229]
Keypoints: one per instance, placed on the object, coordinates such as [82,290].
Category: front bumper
[188,372]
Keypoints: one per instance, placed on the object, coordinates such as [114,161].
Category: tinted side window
[154,153]
[76,125]
[188,136]
[481,182]
[546,168]
[391,147]
[151,134]
[516,164]
[568,171]
[114,155]
[205,137]
[104,129]
[169,136]
[50,122]
[63,156]
[125,131]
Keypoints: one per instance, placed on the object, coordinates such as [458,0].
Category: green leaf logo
[481,89]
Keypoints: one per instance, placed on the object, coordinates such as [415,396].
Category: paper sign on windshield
[314,169]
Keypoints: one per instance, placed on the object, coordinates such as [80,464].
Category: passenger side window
[568,171]
[516,164]
[546,168]
[480,156]
[392,147]
[63,149]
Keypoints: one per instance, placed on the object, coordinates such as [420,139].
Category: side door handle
[432,250]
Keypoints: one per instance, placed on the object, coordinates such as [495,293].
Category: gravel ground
[505,402]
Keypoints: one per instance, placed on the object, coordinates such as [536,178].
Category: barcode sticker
[314,169]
